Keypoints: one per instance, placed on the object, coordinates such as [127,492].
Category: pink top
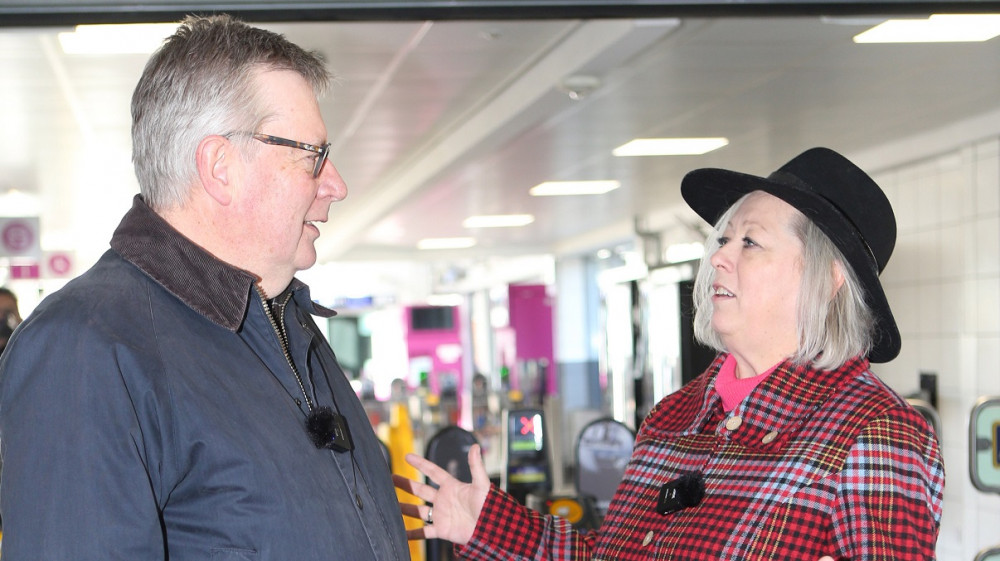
[731,389]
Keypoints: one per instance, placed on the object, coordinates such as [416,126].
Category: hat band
[789,179]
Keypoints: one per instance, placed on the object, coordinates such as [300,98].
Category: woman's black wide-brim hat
[840,198]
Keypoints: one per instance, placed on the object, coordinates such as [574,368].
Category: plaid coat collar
[789,396]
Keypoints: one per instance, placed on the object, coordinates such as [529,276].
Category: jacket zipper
[283,340]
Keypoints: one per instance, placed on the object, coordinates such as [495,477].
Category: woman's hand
[453,508]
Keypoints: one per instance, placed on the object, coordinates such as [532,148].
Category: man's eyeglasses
[323,151]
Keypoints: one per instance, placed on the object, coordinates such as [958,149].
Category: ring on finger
[430,516]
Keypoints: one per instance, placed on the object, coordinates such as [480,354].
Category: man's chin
[305,258]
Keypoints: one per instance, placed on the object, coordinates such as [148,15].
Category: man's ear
[218,164]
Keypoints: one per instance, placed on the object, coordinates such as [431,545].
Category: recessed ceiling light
[669,146]
[445,300]
[679,253]
[556,188]
[18,203]
[445,243]
[938,28]
[498,221]
[115,39]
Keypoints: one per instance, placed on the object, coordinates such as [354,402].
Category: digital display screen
[424,318]
[526,435]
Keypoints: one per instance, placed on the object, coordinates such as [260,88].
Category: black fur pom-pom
[327,429]
[321,426]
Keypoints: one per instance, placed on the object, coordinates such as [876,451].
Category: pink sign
[19,237]
[60,264]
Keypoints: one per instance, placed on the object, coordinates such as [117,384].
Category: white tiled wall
[943,282]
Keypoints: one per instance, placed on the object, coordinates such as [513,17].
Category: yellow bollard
[400,444]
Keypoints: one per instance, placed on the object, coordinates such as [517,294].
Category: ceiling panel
[434,121]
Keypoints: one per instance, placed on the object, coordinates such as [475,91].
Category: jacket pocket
[233,554]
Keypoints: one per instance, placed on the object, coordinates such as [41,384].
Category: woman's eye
[747,242]
[722,241]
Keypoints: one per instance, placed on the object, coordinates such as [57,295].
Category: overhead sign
[58,264]
[19,237]
[25,271]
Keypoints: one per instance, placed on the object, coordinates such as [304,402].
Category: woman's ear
[838,277]
[217,160]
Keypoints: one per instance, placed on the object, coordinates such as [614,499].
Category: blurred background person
[10,316]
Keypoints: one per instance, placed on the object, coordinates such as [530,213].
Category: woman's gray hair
[201,82]
[831,330]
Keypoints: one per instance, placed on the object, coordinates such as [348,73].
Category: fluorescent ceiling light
[115,39]
[20,204]
[669,146]
[939,28]
[445,300]
[446,243]
[555,188]
[679,253]
[498,221]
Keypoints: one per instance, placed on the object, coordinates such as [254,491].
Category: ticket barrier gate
[449,450]
[991,554]
[984,454]
[527,468]
[984,444]
[928,412]
[603,450]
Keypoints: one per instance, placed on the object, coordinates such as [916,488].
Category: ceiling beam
[71,12]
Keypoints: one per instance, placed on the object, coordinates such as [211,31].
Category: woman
[788,446]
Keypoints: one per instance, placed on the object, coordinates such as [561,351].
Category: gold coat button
[734,422]
[769,437]
[648,539]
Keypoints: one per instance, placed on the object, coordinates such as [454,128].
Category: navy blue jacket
[147,411]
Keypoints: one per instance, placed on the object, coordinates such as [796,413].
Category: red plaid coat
[819,463]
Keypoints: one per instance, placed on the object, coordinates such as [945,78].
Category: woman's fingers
[412,510]
[419,512]
[415,488]
[456,505]
[479,475]
[436,473]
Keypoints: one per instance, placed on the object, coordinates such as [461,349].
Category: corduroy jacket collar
[211,287]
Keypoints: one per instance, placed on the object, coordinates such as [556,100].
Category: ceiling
[435,121]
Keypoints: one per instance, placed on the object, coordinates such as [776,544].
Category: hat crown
[840,199]
[848,189]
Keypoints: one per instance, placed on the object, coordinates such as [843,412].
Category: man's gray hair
[831,331]
[201,82]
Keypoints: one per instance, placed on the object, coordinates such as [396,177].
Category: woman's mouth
[722,291]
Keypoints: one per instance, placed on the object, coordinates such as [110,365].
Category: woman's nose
[721,258]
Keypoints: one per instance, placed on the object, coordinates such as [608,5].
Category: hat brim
[710,192]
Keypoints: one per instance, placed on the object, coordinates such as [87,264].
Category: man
[10,316]
[176,401]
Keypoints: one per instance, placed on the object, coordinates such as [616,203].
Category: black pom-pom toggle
[328,429]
